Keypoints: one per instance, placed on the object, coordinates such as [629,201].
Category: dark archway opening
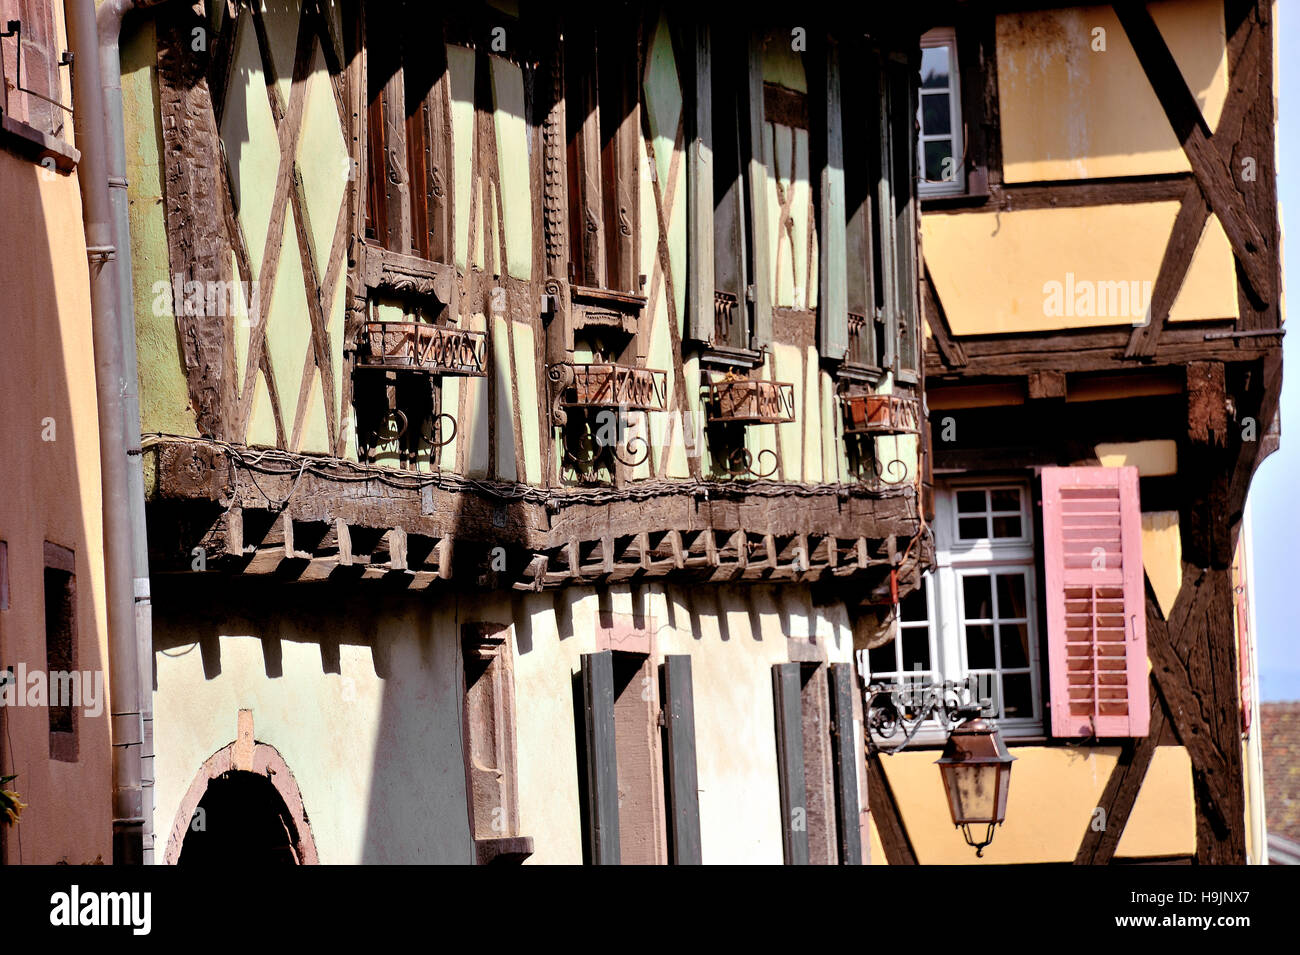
[241,820]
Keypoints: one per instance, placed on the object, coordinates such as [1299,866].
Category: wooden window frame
[955,559]
[880,332]
[751,298]
[944,38]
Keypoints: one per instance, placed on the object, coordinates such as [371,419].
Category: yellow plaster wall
[1070,111]
[992,270]
[49,431]
[1050,805]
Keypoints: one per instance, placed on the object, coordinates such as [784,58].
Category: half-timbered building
[533,428]
[1102,296]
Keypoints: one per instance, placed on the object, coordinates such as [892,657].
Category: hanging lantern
[976,770]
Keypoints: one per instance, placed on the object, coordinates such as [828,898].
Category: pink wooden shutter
[1096,602]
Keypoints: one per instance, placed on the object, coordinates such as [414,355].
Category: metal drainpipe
[109,24]
[115,441]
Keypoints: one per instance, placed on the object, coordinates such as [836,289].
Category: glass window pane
[1006,527]
[881,659]
[1017,696]
[972,528]
[1006,499]
[979,646]
[970,502]
[936,169]
[1011,596]
[1015,644]
[916,649]
[977,597]
[913,608]
[936,114]
[934,67]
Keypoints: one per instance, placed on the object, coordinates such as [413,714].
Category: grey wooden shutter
[903,108]
[760,280]
[885,220]
[602,760]
[699,195]
[788,706]
[683,784]
[832,301]
[846,764]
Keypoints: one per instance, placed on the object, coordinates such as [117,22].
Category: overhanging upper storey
[542,247]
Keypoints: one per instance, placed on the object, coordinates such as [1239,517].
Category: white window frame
[945,37]
[955,559]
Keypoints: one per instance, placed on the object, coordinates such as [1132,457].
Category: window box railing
[418,346]
[610,385]
[737,400]
[881,414]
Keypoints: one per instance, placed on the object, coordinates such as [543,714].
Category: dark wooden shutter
[699,195]
[679,744]
[760,279]
[846,764]
[788,706]
[602,759]
[903,108]
[1096,602]
[832,302]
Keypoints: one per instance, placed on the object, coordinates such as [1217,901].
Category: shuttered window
[1096,620]
[639,811]
[729,276]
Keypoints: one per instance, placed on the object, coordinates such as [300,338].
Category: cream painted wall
[50,433]
[1071,110]
[372,735]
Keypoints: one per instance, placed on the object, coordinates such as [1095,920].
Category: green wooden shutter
[903,108]
[602,760]
[699,194]
[832,300]
[760,280]
[885,221]
[846,764]
[683,782]
[788,706]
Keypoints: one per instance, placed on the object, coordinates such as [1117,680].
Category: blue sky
[1275,495]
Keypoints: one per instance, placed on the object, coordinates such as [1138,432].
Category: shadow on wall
[357,688]
[48,433]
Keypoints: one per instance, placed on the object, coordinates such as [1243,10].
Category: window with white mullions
[991,513]
[975,613]
[995,627]
[940,150]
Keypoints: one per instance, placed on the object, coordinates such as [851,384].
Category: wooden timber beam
[1122,788]
[954,356]
[1216,181]
[883,807]
[1194,210]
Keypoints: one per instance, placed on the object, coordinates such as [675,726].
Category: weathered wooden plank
[832,302]
[756,183]
[602,758]
[699,190]
[789,755]
[679,747]
[845,752]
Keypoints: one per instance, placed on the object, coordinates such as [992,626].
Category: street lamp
[976,770]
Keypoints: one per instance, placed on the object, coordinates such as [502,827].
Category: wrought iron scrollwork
[894,708]
[741,461]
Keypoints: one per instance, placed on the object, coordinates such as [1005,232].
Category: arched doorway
[241,820]
[242,811]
